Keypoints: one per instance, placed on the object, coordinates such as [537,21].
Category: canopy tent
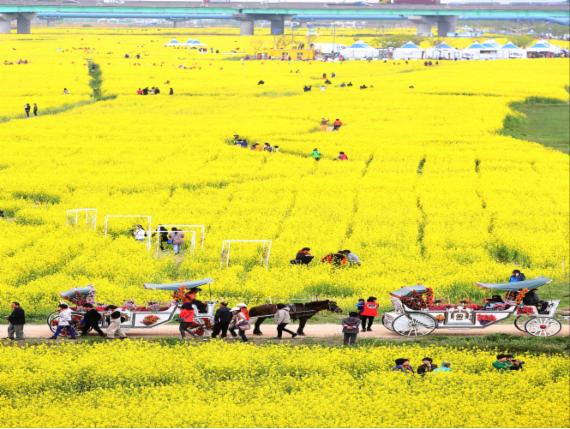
[473,51]
[78,291]
[407,290]
[173,42]
[359,44]
[474,45]
[176,286]
[328,48]
[359,53]
[194,42]
[516,286]
[544,46]
[408,51]
[442,51]
[510,50]
[491,44]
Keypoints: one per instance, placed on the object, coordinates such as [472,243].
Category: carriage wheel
[386,324]
[542,327]
[520,322]
[414,324]
[52,321]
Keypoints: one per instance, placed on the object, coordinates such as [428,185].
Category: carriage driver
[190,298]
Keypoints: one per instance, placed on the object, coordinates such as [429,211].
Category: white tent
[490,50]
[193,43]
[472,52]
[408,51]
[173,42]
[543,48]
[328,48]
[510,50]
[359,51]
[442,51]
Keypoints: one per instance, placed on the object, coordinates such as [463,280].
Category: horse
[301,312]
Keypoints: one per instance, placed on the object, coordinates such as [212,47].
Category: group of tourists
[404,365]
[243,143]
[316,155]
[340,258]
[174,237]
[28,108]
[155,90]
[326,126]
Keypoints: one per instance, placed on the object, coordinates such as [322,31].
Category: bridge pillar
[446,24]
[24,22]
[5,23]
[278,25]
[246,27]
[423,24]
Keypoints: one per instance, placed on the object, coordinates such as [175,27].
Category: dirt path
[325,330]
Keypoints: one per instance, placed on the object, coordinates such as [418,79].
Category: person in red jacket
[368,313]
[337,124]
[186,319]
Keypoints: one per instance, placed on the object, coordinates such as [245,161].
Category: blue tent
[491,44]
[443,45]
[475,45]
[407,290]
[409,45]
[194,42]
[510,45]
[542,44]
[176,286]
[359,44]
[173,42]
[516,286]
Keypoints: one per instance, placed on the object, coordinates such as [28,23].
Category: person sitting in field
[426,366]
[337,124]
[261,82]
[517,276]
[342,156]
[516,364]
[337,259]
[139,233]
[303,257]
[502,363]
[307,88]
[267,147]
[403,365]
[353,258]
[445,367]
[324,124]
[315,154]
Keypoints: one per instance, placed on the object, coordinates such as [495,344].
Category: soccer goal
[144,235]
[263,245]
[82,217]
[164,236]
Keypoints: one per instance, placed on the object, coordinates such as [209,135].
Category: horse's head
[331,306]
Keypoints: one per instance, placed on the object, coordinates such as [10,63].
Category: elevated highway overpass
[423,16]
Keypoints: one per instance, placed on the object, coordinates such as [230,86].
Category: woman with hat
[240,320]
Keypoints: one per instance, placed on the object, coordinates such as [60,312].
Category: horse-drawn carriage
[416,313]
[143,317]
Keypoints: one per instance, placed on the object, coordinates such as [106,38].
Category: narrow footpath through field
[325,330]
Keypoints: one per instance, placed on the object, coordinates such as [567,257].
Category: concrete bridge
[423,16]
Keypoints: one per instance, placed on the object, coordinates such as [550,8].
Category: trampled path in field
[325,330]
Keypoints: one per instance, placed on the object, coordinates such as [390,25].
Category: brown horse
[301,312]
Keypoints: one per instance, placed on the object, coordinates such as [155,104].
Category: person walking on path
[282,319]
[64,322]
[239,321]
[114,328]
[91,321]
[27,109]
[16,322]
[315,154]
[186,319]
[35,110]
[222,320]
[350,327]
[368,314]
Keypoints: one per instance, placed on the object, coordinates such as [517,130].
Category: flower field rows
[146,384]
[431,192]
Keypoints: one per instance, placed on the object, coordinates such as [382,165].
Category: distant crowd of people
[33,109]
[244,143]
[154,90]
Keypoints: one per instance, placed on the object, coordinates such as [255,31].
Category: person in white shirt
[282,319]
[65,321]
[353,258]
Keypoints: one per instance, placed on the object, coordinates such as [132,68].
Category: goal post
[147,230]
[227,247]
[191,244]
[83,216]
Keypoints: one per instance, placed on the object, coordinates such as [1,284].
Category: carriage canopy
[79,295]
[175,286]
[513,287]
[407,290]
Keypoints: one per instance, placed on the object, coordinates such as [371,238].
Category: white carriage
[416,313]
[144,316]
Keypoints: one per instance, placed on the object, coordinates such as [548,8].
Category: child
[350,327]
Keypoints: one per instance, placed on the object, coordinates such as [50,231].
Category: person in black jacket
[16,320]
[91,321]
[426,366]
[222,320]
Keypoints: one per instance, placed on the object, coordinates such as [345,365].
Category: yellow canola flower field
[431,194]
[146,384]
